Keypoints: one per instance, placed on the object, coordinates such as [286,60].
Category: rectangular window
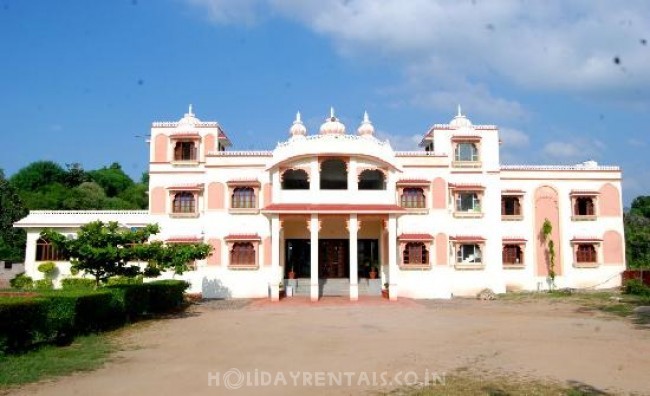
[8,265]
[467,202]
[413,198]
[512,255]
[185,151]
[586,253]
[468,254]
[45,251]
[510,206]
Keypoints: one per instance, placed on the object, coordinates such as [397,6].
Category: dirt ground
[218,344]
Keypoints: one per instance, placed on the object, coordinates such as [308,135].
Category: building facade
[343,208]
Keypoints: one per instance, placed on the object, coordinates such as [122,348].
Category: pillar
[275,276]
[353,228]
[393,270]
[314,227]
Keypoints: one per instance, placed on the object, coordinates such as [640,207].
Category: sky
[565,80]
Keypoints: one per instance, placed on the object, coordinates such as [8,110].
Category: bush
[78,284]
[133,300]
[73,312]
[21,322]
[44,284]
[48,268]
[636,287]
[166,295]
[22,281]
[124,280]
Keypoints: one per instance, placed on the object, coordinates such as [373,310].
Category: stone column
[276,275]
[314,176]
[353,180]
[314,227]
[353,228]
[393,269]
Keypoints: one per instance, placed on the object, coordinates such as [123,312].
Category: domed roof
[298,128]
[332,125]
[188,120]
[366,128]
[460,121]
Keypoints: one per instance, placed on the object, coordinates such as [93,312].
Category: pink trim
[613,248]
[415,237]
[243,182]
[589,193]
[215,257]
[242,237]
[160,148]
[186,187]
[585,239]
[609,202]
[267,191]
[513,192]
[183,239]
[439,193]
[466,186]
[216,193]
[442,257]
[208,144]
[158,199]
[467,238]
[302,208]
[268,257]
[513,240]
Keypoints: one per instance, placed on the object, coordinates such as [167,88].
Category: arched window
[372,180]
[415,253]
[584,206]
[511,254]
[295,179]
[242,253]
[586,253]
[185,151]
[243,198]
[45,251]
[184,202]
[466,152]
[333,175]
[413,197]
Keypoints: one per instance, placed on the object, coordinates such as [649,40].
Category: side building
[341,213]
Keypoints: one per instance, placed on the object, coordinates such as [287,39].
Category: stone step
[335,287]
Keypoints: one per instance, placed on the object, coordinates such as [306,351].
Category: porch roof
[332,208]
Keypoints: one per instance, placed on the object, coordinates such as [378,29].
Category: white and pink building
[332,208]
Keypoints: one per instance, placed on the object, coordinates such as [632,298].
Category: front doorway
[333,258]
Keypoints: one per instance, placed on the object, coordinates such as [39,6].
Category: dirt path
[538,339]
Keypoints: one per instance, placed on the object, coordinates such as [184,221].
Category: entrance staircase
[335,287]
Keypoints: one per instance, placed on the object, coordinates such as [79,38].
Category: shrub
[166,295]
[22,281]
[21,321]
[78,283]
[636,287]
[133,300]
[44,284]
[72,312]
[48,268]
[124,280]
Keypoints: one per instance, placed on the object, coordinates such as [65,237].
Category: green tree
[112,179]
[176,257]
[38,175]
[87,195]
[137,195]
[75,175]
[104,250]
[637,233]
[12,240]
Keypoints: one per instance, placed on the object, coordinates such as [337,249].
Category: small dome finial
[190,110]
[365,117]
[332,116]
[459,112]
[366,128]
[298,117]
[298,129]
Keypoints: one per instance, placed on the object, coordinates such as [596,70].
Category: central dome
[332,125]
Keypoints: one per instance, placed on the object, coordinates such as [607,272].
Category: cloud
[400,142]
[513,138]
[448,47]
[574,149]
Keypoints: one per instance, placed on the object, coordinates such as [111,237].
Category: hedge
[78,283]
[60,315]
[132,299]
[166,295]
[21,321]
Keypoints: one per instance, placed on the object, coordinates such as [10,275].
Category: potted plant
[292,275]
[384,291]
[373,271]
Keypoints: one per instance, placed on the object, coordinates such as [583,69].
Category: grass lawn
[605,301]
[85,353]
[461,384]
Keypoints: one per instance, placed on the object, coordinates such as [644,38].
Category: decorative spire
[459,113]
[332,117]
[298,128]
[366,128]
[190,110]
